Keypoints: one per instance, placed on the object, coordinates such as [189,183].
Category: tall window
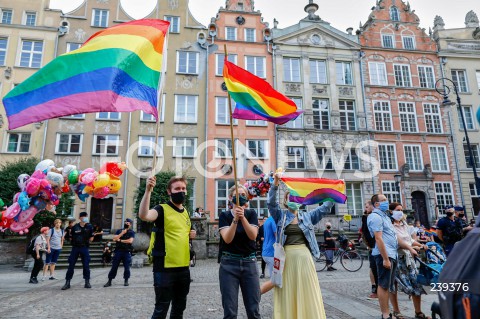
[255,65]
[355,198]
[351,160]
[476,157]
[389,189]
[438,157]
[191,193]
[427,77]
[383,118]
[148,145]
[408,117]
[433,118]
[257,148]
[378,73]
[185,108]
[187,62]
[296,157]
[73,46]
[3,50]
[31,54]
[69,143]
[460,79]
[222,114]
[298,122]
[105,144]
[174,24]
[402,75]
[222,187]
[231,33]
[478,80]
[250,35]
[324,156]
[394,14]
[220,60]
[347,115]
[259,204]
[112,116]
[100,18]
[344,73]
[223,148]
[469,119]
[388,41]
[18,142]
[413,157]
[321,114]
[145,117]
[291,69]
[473,190]
[318,71]
[6,16]
[388,157]
[444,194]
[30,18]
[184,147]
[408,43]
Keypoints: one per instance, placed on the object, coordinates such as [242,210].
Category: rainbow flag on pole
[310,191]
[255,98]
[116,70]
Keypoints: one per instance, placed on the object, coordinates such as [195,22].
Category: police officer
[123,247]
[82,236]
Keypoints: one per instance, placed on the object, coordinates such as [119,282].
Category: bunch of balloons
[259,187]
[42,190]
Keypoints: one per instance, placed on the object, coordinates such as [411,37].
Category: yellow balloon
[88,190]
[114,185]
[101,180]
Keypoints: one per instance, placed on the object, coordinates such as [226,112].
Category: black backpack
[31,245]
[462,268]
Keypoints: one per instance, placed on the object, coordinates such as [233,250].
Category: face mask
[461,215]
[125,226]
[449,214]
[397,215]
[85,220]
[328,227]
[242,200]
[383,206]
[178,198]
[293,206]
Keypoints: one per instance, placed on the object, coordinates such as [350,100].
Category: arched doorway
[419,205]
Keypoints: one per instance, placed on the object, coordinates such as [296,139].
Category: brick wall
[12,251]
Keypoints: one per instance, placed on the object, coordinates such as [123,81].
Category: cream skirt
[300,297]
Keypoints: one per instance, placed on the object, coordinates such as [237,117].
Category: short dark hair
[393,205]
[175,179]
[375,199]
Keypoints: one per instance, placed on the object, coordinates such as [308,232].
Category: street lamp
[446,102]
[398,179]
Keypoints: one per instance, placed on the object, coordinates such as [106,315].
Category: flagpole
[234,162]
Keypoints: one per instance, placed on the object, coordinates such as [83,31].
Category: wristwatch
[235,221]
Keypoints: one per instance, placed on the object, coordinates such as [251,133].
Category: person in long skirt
[300,296]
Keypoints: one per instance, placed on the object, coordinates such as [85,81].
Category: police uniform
[80,243]
[122,254]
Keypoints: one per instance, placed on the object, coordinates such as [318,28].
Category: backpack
[461,267]
[51,232]
[31,245]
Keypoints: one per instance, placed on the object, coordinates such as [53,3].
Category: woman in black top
[238,267]
[330,245]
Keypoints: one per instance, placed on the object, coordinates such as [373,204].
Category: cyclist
[329,245]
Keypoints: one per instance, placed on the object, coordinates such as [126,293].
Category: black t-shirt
[366,233]
[328,234]
[81,235]
[241,244]
[124,246]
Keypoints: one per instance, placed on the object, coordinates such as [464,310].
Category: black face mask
[461,215]
[449,214]
[242,199]
[328,227]
[178,198]
[125,226]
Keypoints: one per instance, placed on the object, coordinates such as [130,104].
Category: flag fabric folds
[310,191]
[116,70]
[255,98]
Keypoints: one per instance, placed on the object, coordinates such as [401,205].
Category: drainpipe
[127,163]
[274,76]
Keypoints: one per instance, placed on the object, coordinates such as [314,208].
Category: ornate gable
[317,36]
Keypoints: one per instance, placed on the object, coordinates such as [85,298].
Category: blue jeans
[72,260]
[242,273]
[120,256]
[329,255]
[171,287]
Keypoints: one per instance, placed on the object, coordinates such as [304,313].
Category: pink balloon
[21,227]
[33,186]
[12,211]
[15,198]
[28,214]
[38,175]
[101,192]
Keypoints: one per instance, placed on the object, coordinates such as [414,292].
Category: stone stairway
[96,252]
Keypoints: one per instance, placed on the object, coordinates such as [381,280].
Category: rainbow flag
[310,191]
[255,98]
[117,70]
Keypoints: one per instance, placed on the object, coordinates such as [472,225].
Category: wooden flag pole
[234,156]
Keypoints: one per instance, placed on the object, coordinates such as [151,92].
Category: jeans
[373,267]
[329,255]
[121,256]
[242,273]
[37,266]
[171,287]
[72,260]
[269,261]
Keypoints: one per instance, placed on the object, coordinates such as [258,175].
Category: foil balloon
[23,201]
[101,192]
[21,227]
[28,214]
[22,181]
[67,169]
[38,174]
[73,177]
[101,180]
[33,186]
[39,203]
[44,165]
[114,186]
[55,179]
[12,211]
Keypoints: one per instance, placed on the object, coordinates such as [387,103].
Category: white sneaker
[43,278]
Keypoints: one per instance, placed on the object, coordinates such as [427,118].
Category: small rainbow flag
[310,191]
[255,98]
[117,70]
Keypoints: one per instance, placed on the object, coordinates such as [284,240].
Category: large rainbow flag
[116,70]
[255,98]
[310,191]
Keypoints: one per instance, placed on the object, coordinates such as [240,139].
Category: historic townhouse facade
[404,111]
[247,38]
[459,52]
[28,38]
[318,67]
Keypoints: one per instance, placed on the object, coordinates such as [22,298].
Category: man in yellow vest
[171,251]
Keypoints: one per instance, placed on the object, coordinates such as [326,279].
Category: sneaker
[43,278]
[333,268]
[33,281]
[330,269]
[52,278]
[262,276]
[372,296]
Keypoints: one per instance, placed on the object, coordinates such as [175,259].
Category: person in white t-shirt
[40,246]
[55,239]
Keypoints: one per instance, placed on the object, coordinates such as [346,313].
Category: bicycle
[350,259]
[193,255]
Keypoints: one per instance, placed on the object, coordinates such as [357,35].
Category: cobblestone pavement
[344,295]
